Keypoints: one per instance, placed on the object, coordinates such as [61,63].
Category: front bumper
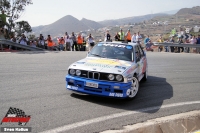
[104,88]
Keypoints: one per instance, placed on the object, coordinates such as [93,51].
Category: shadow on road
[152,93]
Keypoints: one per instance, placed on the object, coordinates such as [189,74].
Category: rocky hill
[193,11]
[91,24]
[66,24]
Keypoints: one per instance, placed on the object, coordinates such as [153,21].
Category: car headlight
[111,77]
[119,78]
[72,71]
[78,72]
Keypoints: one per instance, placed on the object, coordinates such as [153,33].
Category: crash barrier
[27,47]
[177,45]
[179,123]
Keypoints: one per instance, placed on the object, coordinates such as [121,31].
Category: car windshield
[112,51]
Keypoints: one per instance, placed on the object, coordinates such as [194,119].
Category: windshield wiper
[96,55]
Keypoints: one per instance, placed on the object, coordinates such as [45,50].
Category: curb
[180,123]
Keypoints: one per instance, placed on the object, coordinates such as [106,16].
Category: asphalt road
[35,83]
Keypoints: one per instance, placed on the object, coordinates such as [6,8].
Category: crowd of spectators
[63,43]
[72,42]
[179,40]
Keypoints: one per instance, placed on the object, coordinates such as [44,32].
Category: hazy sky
[43,12]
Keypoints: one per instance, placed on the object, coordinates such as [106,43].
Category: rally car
[111,69]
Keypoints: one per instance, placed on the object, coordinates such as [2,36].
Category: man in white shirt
[138,37]
[133,38]
[67,42]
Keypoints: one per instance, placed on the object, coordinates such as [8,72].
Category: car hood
[102,65]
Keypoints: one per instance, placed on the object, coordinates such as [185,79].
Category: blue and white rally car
[111,69]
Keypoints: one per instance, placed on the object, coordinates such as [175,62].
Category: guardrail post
[1,47]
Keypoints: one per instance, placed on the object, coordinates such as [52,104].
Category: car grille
[95,75]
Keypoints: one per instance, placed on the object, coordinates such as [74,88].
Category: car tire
[134,88]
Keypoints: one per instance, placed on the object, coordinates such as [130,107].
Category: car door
[139,54]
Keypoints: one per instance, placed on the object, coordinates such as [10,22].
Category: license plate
[93,85]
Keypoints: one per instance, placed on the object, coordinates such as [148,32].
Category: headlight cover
[78,72]
[111,77]
[119,78]
[72,71]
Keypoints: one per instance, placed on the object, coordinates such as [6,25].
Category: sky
[44,12]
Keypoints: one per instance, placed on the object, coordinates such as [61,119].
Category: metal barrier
[27,47]
[177,44]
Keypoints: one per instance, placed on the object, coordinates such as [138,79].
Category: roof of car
[119,42]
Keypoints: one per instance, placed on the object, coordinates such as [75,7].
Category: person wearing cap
[121,35]
[128,36]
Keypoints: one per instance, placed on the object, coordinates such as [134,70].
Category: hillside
[91,24]
[193,11]
[66,24]
[130,20]
[184,17]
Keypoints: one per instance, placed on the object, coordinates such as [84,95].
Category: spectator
[146,40]
[67,42]
[3,19]
[41,41]
[172,41]
[128,36]
[90,41]
[180,49]
[23,40]
[61,43]
[193,41]
[80,42]
[50,43]
[133,38]
[84,44]
[73,37]
[160,40]
[13,39]
[198,43]
[149,45]
[107,36]
[138,38]
[121,35]
[117,37]
[33,43]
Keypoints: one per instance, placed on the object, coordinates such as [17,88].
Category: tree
[14,9]
[21,27]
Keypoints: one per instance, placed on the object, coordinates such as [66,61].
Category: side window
[137,53]
[141,51]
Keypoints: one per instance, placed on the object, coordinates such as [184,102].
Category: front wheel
[134,88]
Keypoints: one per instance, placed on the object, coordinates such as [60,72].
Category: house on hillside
[188,29]
[196,29]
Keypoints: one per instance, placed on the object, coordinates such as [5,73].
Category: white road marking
[112,116]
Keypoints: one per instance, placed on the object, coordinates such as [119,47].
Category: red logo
[16,115]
